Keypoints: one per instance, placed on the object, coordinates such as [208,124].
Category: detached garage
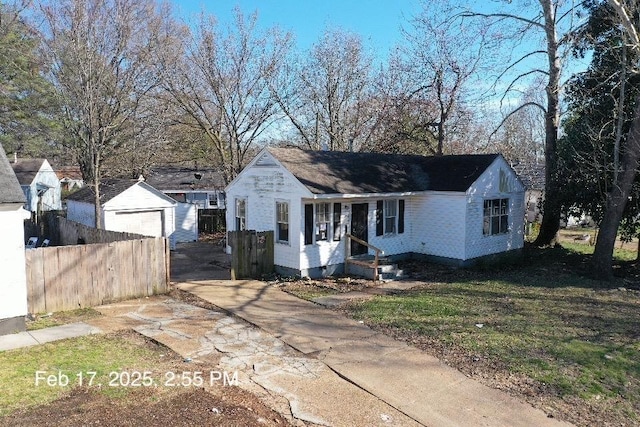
[127,205]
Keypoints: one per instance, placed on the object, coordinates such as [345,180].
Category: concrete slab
[41,336]
[71,330]
[13,341]
[409,380]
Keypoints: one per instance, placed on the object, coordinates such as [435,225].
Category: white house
[131,206]
[454,209]
[13,286]
[39,183]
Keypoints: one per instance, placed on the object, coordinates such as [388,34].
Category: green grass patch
[584,249]
[95,353]
[543,320]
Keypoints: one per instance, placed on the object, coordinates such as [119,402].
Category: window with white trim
[282,220]
[390,213]
[323,221]
[241,214]
[390,216]
[496,217]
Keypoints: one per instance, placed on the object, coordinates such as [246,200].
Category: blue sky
[377,21]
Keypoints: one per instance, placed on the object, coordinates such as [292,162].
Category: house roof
[531,174]
[69,172]
[10,191]
[109,189]
[333,172]
[166,178]
[27,169]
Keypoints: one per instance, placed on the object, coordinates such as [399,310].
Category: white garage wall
[13,289]
[186,229]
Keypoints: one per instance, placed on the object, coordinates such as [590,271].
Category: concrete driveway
[405,378]
[199,261]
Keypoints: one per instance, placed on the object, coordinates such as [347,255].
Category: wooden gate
[251,254]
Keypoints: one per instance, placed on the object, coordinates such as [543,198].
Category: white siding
[51,198]
[13,287]
[497,182]
[140,198]
[261,186]
[137,198]
[146,223]
[81,212]
[186,229]
[438,224]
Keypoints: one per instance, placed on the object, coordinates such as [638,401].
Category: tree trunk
[551,206]
[617,201]
[96,190]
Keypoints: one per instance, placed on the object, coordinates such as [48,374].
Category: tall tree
[102,53]
[27,107]
[626,19]
[441,61]
[220,83]
[328,98]
[546,24]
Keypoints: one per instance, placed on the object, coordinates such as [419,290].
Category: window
[213,199]
[390,214]
[496,217]
[282,219]
[241,214]
[323,221]
[337,210]
[389,217]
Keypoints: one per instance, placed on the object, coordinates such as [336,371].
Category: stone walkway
[300,387]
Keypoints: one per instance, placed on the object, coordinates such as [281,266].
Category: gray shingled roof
[109,188]
[10,191]
[531,174]
[26,170]
[185,179]
[334,172]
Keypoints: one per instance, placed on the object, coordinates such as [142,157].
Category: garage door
[147,223]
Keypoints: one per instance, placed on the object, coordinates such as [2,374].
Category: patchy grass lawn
[94,353]
[539,328]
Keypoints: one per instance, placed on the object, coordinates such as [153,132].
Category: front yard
[542,331]
[118,379]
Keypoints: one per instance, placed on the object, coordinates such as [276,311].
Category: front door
[359,229]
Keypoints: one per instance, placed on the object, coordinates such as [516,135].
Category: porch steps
[363,266]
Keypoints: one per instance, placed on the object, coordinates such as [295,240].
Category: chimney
[141,178]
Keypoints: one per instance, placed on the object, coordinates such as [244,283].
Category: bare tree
[102,53]
[328,99]
[220,82]
[441,61]
[617,197]
[549,24]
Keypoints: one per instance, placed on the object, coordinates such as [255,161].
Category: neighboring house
[132,206]
[532,176]
[454,209]
[202,187]
[199,193]
[39,183]
[13,286]
[70,178]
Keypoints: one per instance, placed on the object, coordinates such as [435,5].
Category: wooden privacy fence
[69,277]
[251,254]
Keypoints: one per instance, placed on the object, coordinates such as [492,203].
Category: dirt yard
[147,406]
